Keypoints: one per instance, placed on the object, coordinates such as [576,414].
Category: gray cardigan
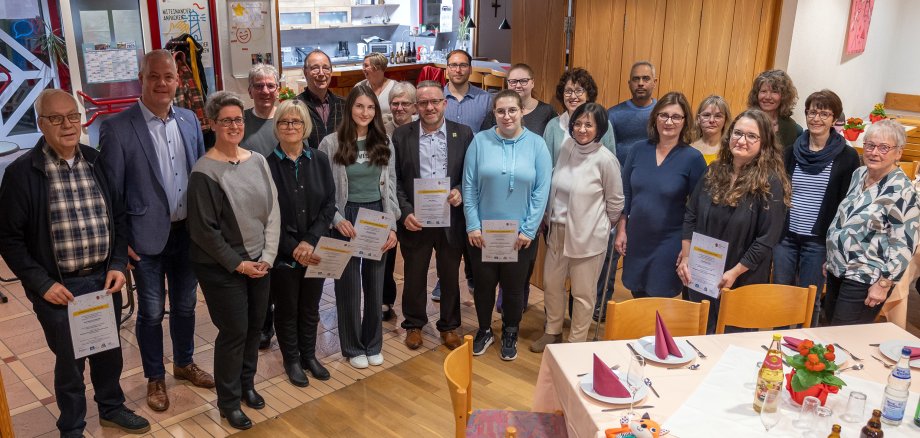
[330,145]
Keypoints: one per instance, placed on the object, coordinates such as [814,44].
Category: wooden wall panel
[598,44]
[677,69]
[538,39]
[741,62]
[713,50]
[643,37]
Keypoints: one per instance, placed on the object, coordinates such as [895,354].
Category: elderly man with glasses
[327,110]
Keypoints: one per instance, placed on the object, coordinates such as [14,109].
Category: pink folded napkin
[606,382]
[914,352]
[791,342]
[664,343]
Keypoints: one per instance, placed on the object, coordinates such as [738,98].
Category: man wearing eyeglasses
[63,234]
[259,134]
[149,150]
[430,148]
[326,109]
[466,103]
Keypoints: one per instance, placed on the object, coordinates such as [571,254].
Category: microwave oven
[382,48]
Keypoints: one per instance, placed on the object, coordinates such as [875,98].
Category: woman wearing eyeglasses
[575,88]
[537,114]
[873,236]
[234,224]
[711,118]
[658,177]
[364,171]
[306,197]
[819,164]
[742,200]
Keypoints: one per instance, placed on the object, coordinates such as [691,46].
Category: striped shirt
[807,197]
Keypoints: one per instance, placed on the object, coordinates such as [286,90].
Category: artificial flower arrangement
[286,93]
[878,113]
[814,372]
[853,128]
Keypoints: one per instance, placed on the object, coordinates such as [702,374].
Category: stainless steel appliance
[381,47]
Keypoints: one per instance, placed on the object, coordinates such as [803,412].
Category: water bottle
[894,402]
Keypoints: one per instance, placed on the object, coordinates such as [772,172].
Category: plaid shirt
[335,113]
[80,228]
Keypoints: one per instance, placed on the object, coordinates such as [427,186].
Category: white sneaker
[375,360]
[359,362]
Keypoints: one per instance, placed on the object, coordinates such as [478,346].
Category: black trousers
[845,302]
[513,279]
[237,305]
[415,289]
[105,367]
[389,284]
[296,301]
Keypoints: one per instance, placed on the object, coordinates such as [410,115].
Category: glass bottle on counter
[771,373]
[894,401]
[835,431]
[873,429]
[917,414]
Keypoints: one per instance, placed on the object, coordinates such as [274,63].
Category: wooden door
[699,47]
[538,39]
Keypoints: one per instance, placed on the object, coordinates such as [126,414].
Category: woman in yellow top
[710,127]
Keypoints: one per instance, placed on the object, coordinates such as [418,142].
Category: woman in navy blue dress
[658,177]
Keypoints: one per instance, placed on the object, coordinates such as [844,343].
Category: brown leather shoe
[193,374]
[414,338]
[157,398]
[451,339]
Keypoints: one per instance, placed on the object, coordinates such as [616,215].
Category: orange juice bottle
[770,375]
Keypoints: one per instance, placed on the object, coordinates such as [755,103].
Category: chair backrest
[476,78]
[492,81]
[765,306]
[458,368]
[909,168]
[6,423]
[632,319]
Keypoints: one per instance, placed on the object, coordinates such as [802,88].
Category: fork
[887,365]
[848,351]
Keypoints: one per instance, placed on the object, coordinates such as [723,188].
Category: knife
[627,407]
[631,348]
[649,383]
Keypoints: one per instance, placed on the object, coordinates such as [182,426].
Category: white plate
[840,357]
[587,386]
[646,348]
[892,350]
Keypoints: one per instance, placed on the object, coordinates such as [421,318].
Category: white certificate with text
[372,228]
[431,207]
[93,328]
[498,238]
[707,264]
[334,254]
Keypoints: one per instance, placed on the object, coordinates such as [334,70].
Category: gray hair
[429,84]
[891,129]
[312,52]
[263,70]
[47,94]
[402,89]
[219,100]
[645,63]
[294,106]
[157,54]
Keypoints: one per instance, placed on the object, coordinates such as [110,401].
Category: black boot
[295,373]
[253,399]
[237,419]
[316,368]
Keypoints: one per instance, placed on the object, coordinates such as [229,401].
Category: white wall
[817,59]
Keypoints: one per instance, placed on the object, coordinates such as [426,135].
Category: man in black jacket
[63,234]
[326,109]
[430,148]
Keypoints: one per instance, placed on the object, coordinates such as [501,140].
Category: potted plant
[878,113]
[813,372]
[853,128]
[286,93]
[463,33]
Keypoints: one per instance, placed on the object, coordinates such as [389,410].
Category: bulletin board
[250,35]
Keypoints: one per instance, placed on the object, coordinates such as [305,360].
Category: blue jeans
[798,261]
[610,260]
[151,274]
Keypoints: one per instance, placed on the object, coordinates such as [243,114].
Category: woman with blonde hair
[711,118]
[374,68]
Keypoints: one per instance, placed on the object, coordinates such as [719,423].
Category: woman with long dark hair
[364,172]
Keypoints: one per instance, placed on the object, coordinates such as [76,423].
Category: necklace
[234,160]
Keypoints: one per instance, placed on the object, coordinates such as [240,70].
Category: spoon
[693,367]
[856,367]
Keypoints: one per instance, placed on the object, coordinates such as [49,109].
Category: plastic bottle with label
[894,401]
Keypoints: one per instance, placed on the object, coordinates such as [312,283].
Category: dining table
[715,398]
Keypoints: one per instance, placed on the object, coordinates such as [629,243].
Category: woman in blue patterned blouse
[873,237]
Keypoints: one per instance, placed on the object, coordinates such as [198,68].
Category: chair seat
[490,423]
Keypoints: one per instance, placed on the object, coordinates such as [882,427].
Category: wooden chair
[458,369]
[909,168]
[765,306]
[493,82]
[476,78]
[633,319]
[6,423]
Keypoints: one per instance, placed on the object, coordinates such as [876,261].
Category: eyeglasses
[881,148]
[296,124]
[432,102]
[317,68]
[401,104]
[578,92]
[56,120]
[824,115]
[516,82]
[270,87]
[711,116]
[664,117]
[511,111]
[749,136]
[458,66]
[227,122]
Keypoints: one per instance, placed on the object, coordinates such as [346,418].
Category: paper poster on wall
[250,35]
[107,64]
[858,27]
[17,10]
[95,27]
[447,16]
[246,14]
[193,17]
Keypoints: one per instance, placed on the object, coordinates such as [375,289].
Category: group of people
[242,219]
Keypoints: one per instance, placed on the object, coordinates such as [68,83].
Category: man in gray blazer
[149,150]
[431,147]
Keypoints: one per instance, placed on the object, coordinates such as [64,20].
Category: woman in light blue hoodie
[506,176]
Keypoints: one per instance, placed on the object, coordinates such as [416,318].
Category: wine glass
[769,412]
[635,379]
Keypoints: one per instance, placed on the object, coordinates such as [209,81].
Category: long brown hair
[377,144]
[754,178]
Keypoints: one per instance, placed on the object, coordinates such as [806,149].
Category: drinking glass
[635,379]
[769,412]
[856,406]
[807,414]
[821,424]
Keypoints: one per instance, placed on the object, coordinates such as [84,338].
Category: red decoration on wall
[858,27]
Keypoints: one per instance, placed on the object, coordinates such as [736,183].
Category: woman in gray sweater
[234,223]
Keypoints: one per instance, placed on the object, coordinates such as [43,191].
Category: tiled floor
[27,369]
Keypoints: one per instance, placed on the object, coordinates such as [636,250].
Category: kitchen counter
[345,77]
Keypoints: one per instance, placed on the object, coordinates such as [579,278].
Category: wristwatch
[884,282]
